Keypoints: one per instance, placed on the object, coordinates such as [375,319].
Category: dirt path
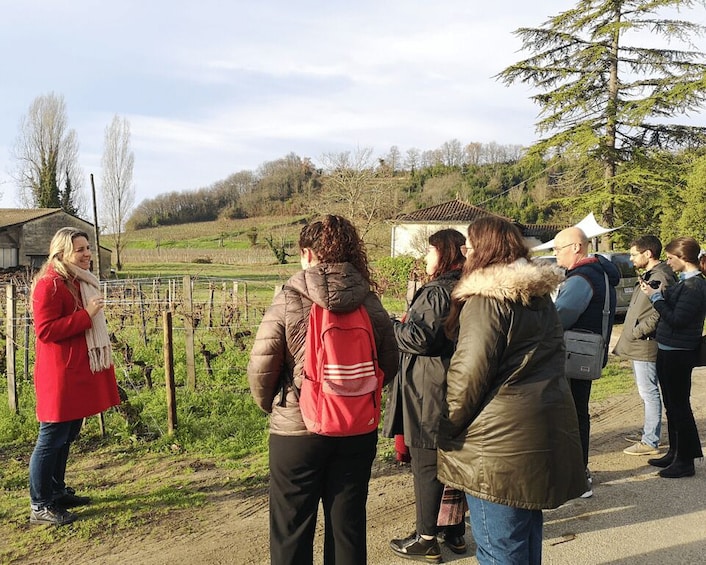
[633,517]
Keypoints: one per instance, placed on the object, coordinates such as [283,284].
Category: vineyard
[213,323]
[213,320]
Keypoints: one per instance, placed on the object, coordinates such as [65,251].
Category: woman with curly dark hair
[307,468]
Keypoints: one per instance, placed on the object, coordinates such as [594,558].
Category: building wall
[411,239]
[8,247]
[35,236]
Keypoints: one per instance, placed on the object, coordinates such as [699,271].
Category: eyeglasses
[563,246]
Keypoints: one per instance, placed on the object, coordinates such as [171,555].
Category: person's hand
[647,289]
[95,305]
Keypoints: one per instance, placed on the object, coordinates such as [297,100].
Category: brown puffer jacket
[278,352]
[509,433]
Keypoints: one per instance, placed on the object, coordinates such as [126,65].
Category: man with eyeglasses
[580,303]
[637,341]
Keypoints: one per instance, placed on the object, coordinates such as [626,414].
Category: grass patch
[131,488]
[262,273]
[617,378]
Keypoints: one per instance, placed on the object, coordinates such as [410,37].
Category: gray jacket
[637,341]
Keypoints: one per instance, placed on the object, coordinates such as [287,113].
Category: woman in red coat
[73,371]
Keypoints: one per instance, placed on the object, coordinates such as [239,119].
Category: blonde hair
[60,247]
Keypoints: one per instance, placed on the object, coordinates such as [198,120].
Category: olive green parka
[509,433]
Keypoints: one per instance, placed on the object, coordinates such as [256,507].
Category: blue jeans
[47,466]
[648,387]
[505,535]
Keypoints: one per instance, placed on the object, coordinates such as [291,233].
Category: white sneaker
[641,448]
[589,480]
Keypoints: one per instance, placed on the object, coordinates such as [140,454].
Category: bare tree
[118,191]
[413,159]
[474,152]
[46,151]
[394,159]
[352,186]
[451,153]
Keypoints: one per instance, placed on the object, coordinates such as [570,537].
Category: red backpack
[342,385]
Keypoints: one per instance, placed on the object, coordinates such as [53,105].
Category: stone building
[25,235]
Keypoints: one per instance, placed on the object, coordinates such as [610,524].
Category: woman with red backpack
[308,468]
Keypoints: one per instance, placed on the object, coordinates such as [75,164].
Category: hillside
[224,246]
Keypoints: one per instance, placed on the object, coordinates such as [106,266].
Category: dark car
[628,277]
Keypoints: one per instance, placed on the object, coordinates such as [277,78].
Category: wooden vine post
[189,334]
[169,372]
[11,348]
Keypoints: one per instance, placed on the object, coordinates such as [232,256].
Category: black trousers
[305,470]
[581,392]
[674,376]
[428,492]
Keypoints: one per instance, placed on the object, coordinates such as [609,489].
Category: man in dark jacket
[637,341]
[580,306]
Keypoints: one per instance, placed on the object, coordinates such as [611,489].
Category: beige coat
[278,353]
[510,433]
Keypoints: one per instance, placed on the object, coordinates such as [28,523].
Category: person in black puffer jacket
[416,397]
[682,309]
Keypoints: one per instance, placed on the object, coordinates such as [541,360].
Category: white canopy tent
[590,227]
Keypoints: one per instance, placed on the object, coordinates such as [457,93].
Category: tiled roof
[458,211]
[13,216]
[452,211]
[537,230]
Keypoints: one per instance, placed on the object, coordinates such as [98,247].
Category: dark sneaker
[455,543]
[51,516]
[417,548]
[70,499]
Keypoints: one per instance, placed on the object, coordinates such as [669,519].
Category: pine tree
[603,100]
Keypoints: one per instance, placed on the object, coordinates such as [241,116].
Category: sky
[214,87]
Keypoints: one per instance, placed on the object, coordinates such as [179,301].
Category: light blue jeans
[505,535]
[648,387]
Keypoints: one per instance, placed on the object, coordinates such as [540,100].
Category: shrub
[393,273]
[251,234]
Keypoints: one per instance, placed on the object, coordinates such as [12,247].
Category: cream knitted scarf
[100,355]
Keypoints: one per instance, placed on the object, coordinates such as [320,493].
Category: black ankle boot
[680,468]
[665,461]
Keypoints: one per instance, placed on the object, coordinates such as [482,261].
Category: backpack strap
[287,380]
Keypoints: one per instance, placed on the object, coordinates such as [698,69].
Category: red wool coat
[65,386]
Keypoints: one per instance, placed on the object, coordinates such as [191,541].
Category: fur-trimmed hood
[520,281]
